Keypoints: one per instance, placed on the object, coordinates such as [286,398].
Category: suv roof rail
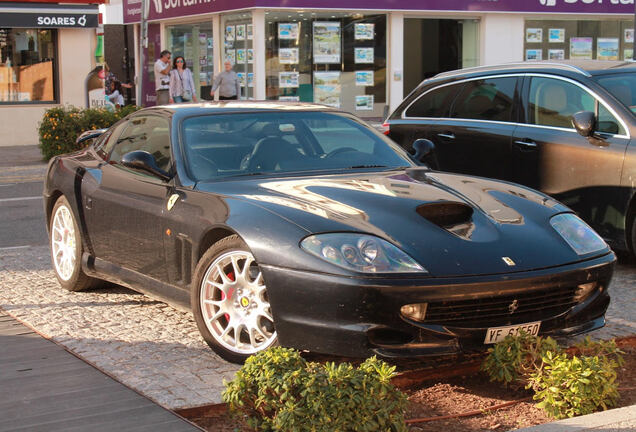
[513,64]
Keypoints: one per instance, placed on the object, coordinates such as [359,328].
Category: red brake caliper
[230,276]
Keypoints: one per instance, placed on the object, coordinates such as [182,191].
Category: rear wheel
[230,302]
[66,248]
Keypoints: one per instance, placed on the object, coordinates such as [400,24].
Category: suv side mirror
[144,161]
[423,147]
[584,122]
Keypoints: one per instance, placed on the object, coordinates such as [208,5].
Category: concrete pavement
[616,420]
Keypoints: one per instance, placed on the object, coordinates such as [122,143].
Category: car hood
[451,224]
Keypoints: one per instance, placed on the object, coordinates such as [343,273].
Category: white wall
[75,61]
[501,38]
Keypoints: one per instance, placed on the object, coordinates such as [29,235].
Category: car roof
[586,68]
[240,106]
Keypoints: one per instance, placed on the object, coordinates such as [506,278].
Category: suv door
[125,207]
[549,155]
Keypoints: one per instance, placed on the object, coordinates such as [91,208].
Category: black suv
[563,128]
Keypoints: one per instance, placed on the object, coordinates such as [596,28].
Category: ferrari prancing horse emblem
[172,201]
[508,261]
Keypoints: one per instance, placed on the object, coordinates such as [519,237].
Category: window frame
[525,100]
[56,72]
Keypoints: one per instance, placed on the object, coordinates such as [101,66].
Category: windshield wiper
[368,166]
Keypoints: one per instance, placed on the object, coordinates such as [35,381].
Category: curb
[611,420]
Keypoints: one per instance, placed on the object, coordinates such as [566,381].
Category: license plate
[497,334]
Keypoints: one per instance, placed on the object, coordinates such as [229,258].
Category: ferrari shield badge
[172,201]
[508,261]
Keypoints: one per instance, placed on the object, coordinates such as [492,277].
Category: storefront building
[365,56]
[46,51]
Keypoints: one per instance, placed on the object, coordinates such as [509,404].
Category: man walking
[162,78]
[228,84]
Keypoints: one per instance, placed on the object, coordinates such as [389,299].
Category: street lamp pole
[143,42]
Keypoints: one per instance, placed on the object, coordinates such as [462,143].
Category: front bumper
[360,316]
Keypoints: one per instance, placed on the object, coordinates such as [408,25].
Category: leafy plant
[516,357]
[567,387]
[588,347]
[277,390]
[61,126]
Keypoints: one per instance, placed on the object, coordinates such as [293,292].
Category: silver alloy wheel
[234,304]
[63,243]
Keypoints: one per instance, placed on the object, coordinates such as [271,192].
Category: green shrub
[516,357]
[587,347]
[61,126]
[567,387]
[277,390]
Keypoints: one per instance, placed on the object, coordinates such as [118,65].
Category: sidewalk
[21,164]
[620,419]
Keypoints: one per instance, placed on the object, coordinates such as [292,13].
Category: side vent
[451,216]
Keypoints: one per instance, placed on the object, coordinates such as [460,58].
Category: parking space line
[20,199]
[2,249]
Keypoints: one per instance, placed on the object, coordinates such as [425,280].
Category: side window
[552,102]
[607,122]
[435,103]
[486,99]
[147,133]
[108,140]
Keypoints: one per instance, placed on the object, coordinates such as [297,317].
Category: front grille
[495,310]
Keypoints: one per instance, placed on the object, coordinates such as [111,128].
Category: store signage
[158,9]
[23,15]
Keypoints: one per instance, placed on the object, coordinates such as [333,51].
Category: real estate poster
[364,78]
[628,54]
[327,88]
[288,79]
[326,42]
[629,35]
[250,79]
[287,30]
[556,35]
[364,31]
[534,35]
[250,32]
[556,54]
[581,48]
[241,76]
[240,32]
[230,55]
[533,54]
[364,103]
[250,55]
[363,55]
[229,33]
[240,56]
[288,56]
[607,48]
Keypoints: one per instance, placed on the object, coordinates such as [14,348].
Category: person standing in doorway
[228,84]
[162,78]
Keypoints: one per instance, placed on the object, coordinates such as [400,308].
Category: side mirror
[90,135]
[144,161]
[423,147]
[584,122]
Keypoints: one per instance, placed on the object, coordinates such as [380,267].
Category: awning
[48,15]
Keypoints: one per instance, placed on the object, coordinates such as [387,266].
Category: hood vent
[452,216]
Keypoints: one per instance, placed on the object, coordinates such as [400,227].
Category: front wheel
[66,248]
[230,303]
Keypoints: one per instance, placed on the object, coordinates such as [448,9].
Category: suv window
[552,102]
[148,133]
[486,99]
[435,103]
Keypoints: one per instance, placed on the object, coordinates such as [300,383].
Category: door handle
[449,135]
[530,144]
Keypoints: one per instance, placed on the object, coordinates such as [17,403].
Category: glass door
[194,43]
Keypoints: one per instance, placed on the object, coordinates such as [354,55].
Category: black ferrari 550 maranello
[300,225]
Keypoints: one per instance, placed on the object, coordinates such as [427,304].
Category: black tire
[75,279]
[205,268]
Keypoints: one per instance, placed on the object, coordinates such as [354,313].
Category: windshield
[223,145]
[622,87]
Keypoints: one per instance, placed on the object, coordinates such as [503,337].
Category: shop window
[27,65]
[610,39]
[552,102]
[435,103]
[487,99]
[238,49]
[193,42]
[336,59]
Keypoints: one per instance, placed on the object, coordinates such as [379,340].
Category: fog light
[415,312]
[583,291]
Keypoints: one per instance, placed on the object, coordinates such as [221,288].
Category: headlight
[577,233]
[360,252]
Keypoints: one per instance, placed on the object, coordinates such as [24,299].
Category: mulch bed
[462,394]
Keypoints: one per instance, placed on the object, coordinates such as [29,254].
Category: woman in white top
[181,82]
[115,95]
